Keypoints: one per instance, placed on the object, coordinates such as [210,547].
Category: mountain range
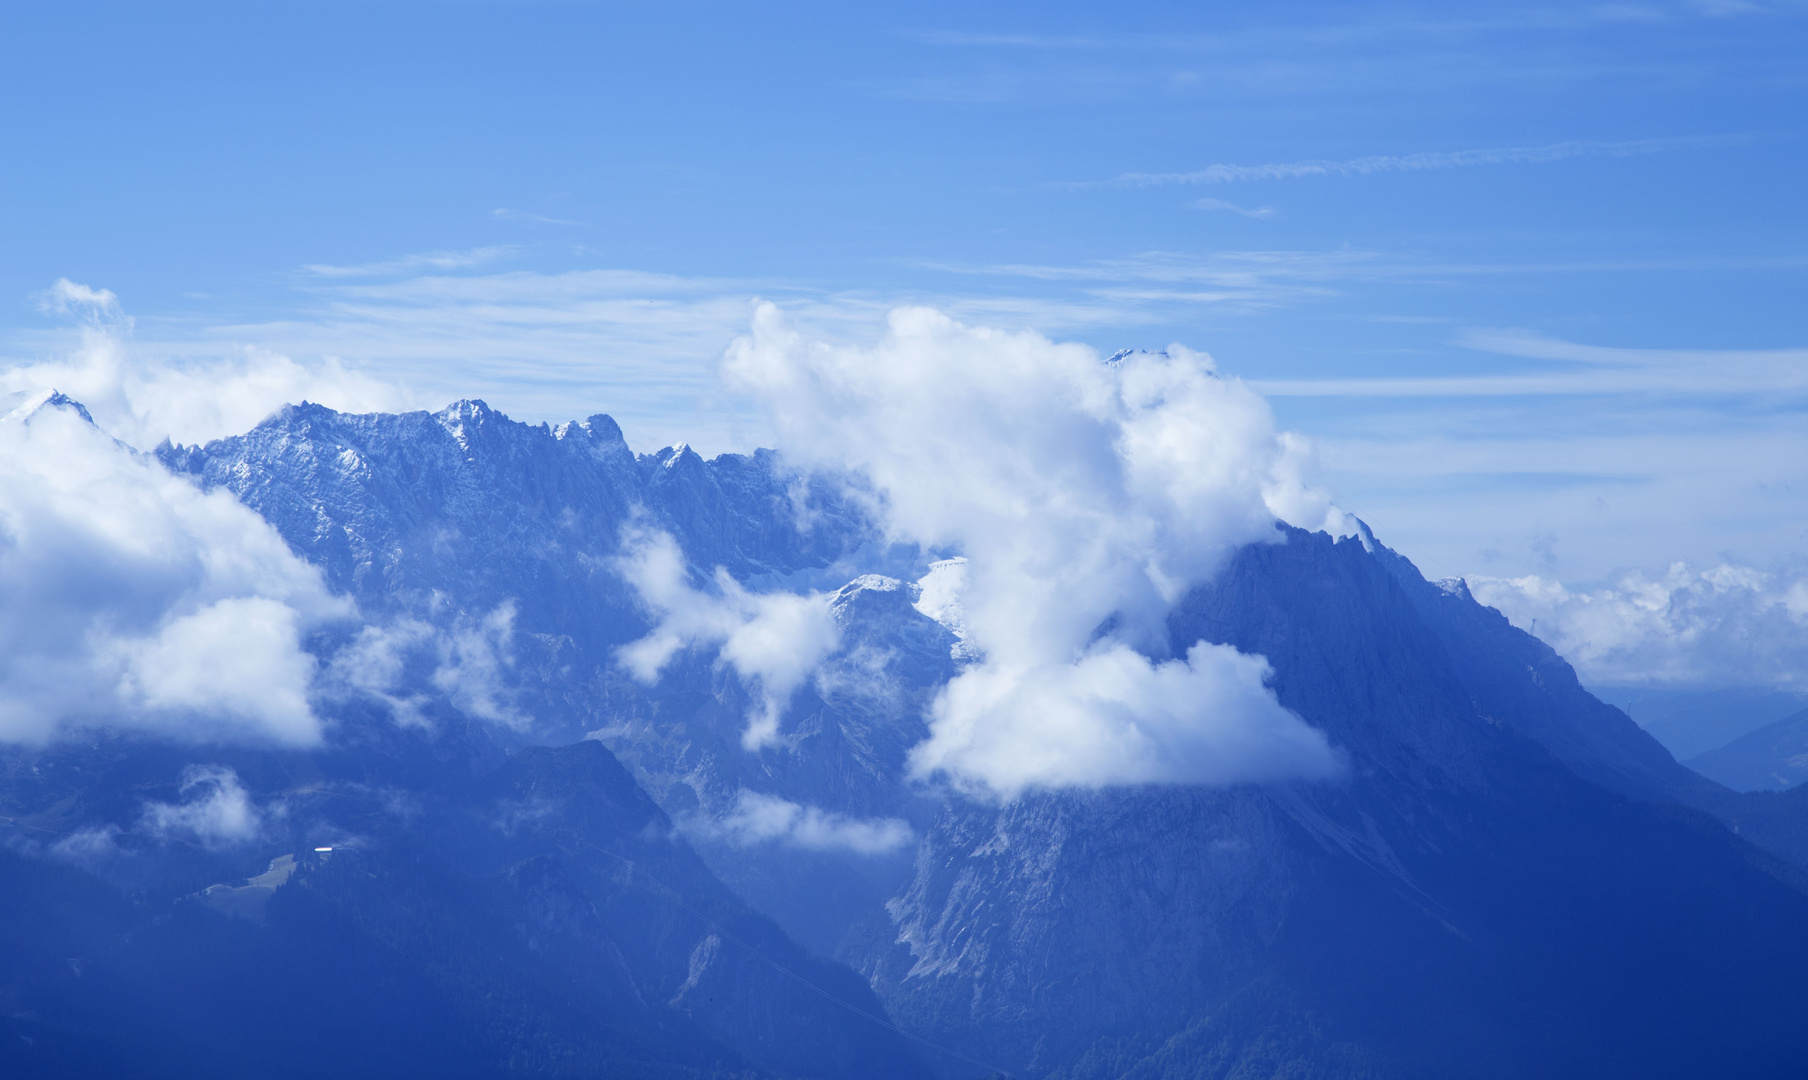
[544,863]
[1772,758]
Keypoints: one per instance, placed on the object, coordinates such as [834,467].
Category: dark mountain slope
[575,828]
[1460,905]
[1520,681]
[1514,677]
[540,919]
[1776,821]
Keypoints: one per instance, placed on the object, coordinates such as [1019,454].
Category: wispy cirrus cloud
[427,261]
[507,214]
[1416,162]
[1504,450]
[1245,279]
[1245,211]
[1581,370]
[644,346]
[1375,50]
[1390,29]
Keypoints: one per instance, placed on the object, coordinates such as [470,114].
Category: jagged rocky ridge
[457,514]
[1507,882]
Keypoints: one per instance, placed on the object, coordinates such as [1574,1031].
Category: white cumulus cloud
[235,657]
[1727,625]
[1116,717]
[1087,498]
[130,599]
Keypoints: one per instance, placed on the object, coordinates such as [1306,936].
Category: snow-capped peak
[22,406]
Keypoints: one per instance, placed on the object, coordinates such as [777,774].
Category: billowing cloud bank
[144,401]
[1087,498]
[130,599]
[1725,626]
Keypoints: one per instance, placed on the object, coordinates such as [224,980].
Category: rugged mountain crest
[1512,676]
[472,504]
[1501,883]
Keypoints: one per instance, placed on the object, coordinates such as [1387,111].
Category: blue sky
[1530,276]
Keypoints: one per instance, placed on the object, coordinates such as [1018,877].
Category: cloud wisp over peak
[772,640]
[758,819]
[1087,498]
